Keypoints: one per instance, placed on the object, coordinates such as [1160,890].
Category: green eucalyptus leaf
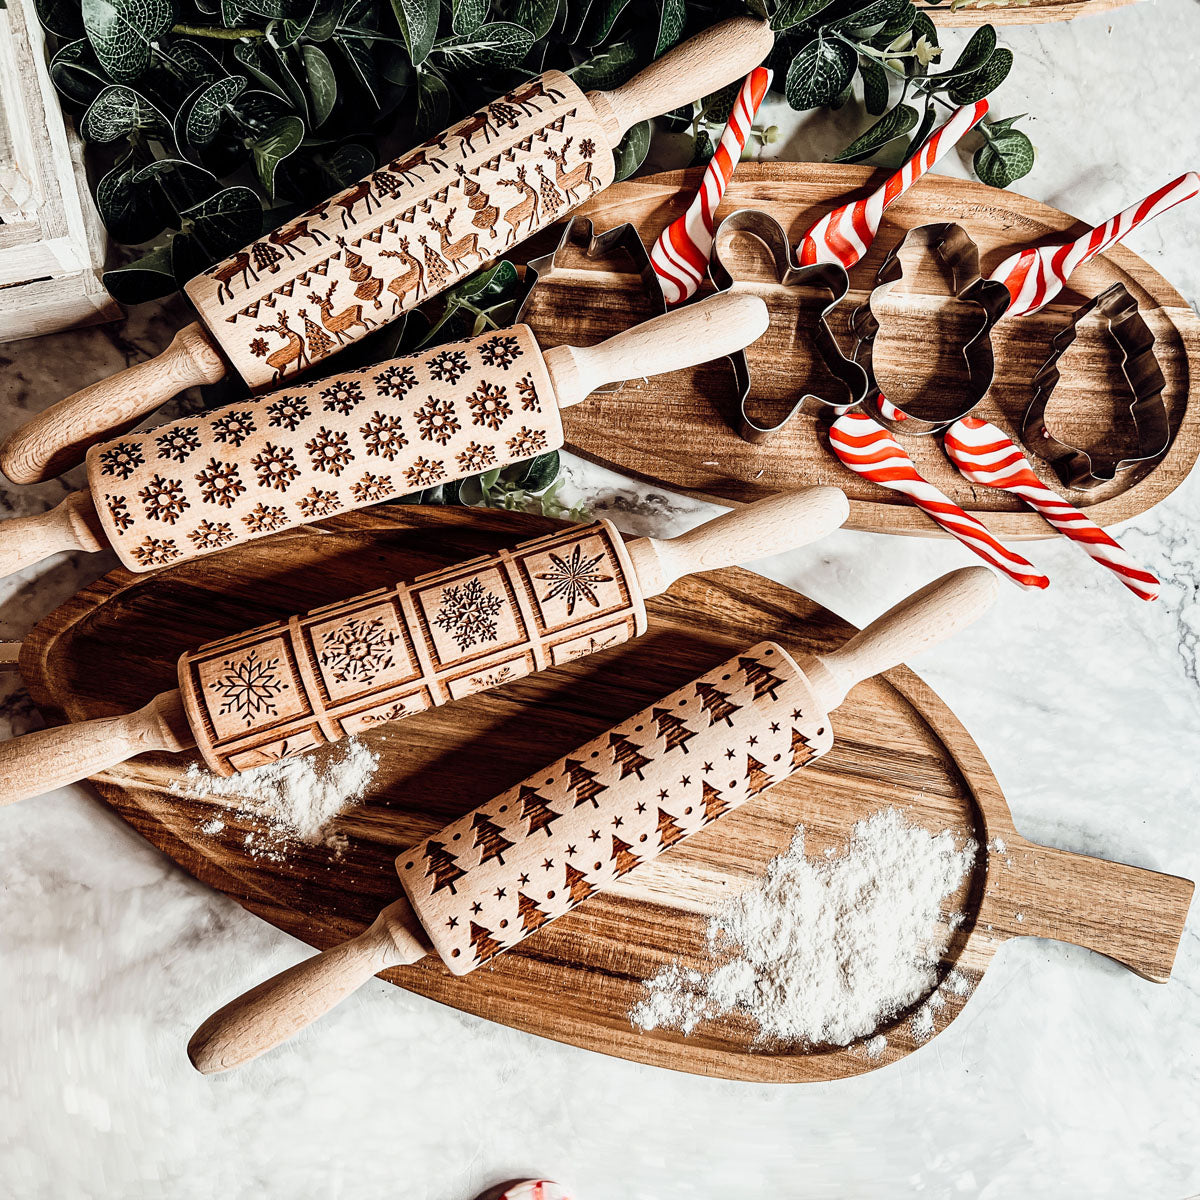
[1004,158]
[77,72]
[291,75]
[121,32]
[875,85]
[575,17]
[867,19]
[283,32]
[819,73]
[497,44]
[183,183]
[901,22]
[322,82]
[131,212]
[535,15]
[146,278]
[893,124]
[418,21]
[632,150]
[433,101]
[253,56]
[192,61]
[791,13]
[538,474]
[206,111]
[466,16]
[670,25]
[281,139]
[119,111]
[984,81]
[226,221]
[602,16]
[923,27]
[60,17]
[349,163]
[256,110]
[975,54]
[608,69]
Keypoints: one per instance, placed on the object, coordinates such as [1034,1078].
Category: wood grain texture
[114,646]
[679,431]
[1037,12]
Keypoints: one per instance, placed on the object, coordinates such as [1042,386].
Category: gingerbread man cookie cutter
[1078,468]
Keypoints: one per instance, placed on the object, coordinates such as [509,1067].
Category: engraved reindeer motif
[454,252]
[577,177]
[526,209]
[467,129]
[337,323]
[412,280]
[348,199]
[224,272]
[293,233]
[293,352]
[524,98]
[406,167]
[478,201]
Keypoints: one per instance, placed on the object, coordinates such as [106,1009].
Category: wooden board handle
[57,439]
[1129,914]
[51,758]
[71,525]
[275,1010]
[703,64]
[698,333]
[770,526]
[927,617]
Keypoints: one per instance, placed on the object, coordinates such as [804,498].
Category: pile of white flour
[825,950]
[291,800]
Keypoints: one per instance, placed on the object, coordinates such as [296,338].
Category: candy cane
[869,450]
[680,256]
[535,1189]
[986,456]
[846,234]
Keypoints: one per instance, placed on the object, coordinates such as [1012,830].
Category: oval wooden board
[1034,13]
[678,430]
[114,646]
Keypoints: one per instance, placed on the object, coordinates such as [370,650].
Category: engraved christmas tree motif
[623,856]
[668,832]
[484,945]
[802,752]
[266,257]
[714,803]
[436,269]
[442,867]
[531,916]
[756,776]
[319,342]
[574,578]
[358,651]
[535,810]
[716,704]
[249,687]
[583,783]
[577,885]
[627,754]
[468,613]
[764,682]
[672,728]
[489,838]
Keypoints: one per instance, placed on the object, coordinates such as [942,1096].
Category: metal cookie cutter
[1075,467]
[830,276]
[958,253]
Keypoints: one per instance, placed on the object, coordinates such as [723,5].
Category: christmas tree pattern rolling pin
[492,878]
[219,478]
[401,235]
[283,688]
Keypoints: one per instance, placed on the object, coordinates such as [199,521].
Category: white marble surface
[1065,1076]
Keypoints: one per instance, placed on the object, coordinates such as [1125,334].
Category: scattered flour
[957,983]
[291,800]
[876,1046]
[824,950]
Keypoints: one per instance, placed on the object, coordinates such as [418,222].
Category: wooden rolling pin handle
[698,333]
[51,758]
[938,611]
[282,1006]
[703,64]
[770,526]
[71,525]
[58,438]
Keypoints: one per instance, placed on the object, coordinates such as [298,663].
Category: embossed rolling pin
[286,687]
[401,235]
[227,476]
[490,879]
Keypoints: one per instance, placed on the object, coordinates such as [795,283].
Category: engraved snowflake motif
[449,366]
[574,578]
[526,442]
[489,405]
[318,503]
[341,397]
[396,381]
[163,499]
[424,472]
[276,467]
[121,460]
[155,552]
[329,451]
[249,687]
[437,421]
[372,488]
[265,518]
[587,148]
[219,483]
[234,428]
[118,510]
[468,613]
[476,458]
[528,394]
[287,412]
[383,436]
[176,444]
[358,651]
[211,535]
[258,347]
[501,351]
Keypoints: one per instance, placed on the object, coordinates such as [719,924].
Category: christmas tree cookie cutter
[953,247]
[830,276]
[1077,468]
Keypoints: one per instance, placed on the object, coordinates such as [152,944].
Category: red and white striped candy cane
[535,1189]
[1035,276]
[846,234]
[985,455]
[680,256]
[869,450]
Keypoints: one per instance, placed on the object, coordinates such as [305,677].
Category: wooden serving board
[1037,12]
[679,431]
[114,646]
